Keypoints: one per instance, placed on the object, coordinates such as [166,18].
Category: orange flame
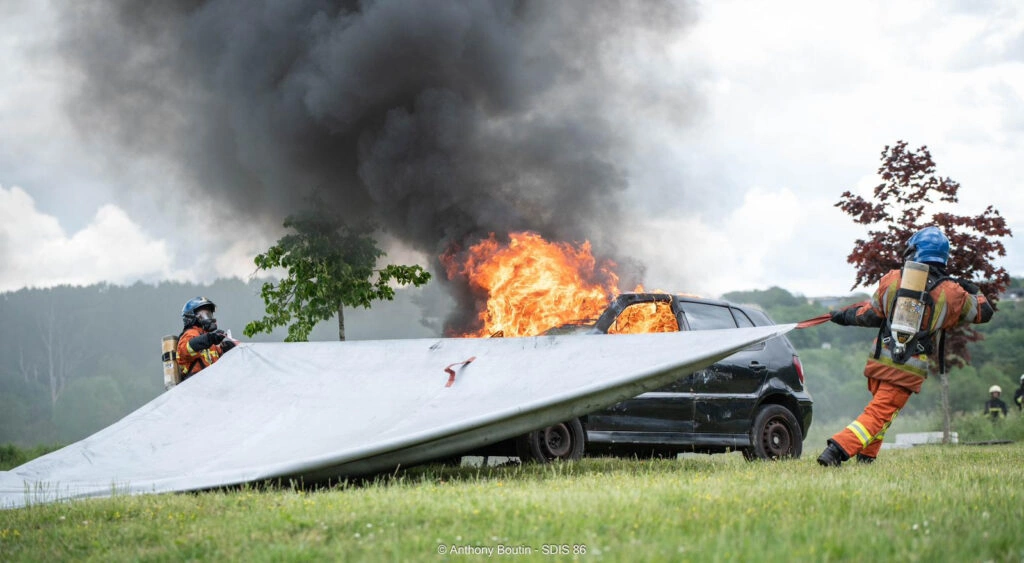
[652,316]
[531,285]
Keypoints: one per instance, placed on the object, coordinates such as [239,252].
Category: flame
[652,316]
[531,285]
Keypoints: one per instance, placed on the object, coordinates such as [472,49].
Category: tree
[901,206]
[63,350]
[330,265]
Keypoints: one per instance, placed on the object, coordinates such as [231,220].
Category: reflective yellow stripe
[970,310]
[881,433]
[210,355]
[886,301]
[860,432]
[939,313]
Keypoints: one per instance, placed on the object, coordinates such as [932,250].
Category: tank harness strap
[942,352]
[920,342]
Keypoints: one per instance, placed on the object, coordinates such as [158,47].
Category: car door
[725,392]
[667,410]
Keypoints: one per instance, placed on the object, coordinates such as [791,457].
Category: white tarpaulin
[320,410]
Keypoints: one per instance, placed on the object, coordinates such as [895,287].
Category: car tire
[563,441]
[775,434]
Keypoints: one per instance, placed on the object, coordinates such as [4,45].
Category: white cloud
[36,252]
[773,238]
[233,256]
[800,98]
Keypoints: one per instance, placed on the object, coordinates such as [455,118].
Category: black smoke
[442,120]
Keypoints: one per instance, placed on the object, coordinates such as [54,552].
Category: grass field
[954,503]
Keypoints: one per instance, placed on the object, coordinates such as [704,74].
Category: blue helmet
[188,312]
[928,245]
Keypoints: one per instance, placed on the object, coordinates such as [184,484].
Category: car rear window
[759,318]
[702,316]
[742,320]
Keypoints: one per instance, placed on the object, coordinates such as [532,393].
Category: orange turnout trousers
[864,436]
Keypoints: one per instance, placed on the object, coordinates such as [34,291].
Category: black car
[753,401]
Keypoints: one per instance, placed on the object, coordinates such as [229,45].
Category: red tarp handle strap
[451,372]
[820,319]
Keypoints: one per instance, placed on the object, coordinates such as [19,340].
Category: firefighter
[898,368]
[994,406]
[201,343]
[1018,395]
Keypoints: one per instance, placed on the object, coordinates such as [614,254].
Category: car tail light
[799,368]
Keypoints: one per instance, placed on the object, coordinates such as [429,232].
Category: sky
[781,108]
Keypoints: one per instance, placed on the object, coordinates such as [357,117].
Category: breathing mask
[205,320]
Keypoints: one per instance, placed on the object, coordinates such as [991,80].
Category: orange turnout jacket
[953,307]
[891,383]
[191,362]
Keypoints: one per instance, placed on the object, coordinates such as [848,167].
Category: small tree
[330,265]
[898,211]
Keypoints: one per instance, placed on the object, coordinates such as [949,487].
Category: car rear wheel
[775,434]
[564,441]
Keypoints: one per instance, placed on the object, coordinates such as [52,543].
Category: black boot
[833,455]
[861,458]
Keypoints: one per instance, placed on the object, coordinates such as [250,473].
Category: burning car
[753,401]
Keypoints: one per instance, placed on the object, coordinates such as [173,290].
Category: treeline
[834,356]
[75,359]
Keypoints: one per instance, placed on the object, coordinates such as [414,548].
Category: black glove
[202,342]
[839,317]
[226,345]
[217,336]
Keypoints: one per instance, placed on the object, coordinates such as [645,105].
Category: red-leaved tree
[900,208]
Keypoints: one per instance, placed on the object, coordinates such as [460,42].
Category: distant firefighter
[994,406]
[201,343]
[1018,395]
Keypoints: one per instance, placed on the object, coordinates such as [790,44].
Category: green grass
[970,427]
[978,428]
[956,503]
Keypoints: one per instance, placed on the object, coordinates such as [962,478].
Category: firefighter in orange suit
[894,371]
[201,343]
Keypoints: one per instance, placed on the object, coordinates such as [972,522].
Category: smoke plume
[442,120]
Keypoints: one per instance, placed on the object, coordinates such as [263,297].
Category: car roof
[684,297]
[688,297]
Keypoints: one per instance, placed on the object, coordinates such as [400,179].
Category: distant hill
[75,359]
